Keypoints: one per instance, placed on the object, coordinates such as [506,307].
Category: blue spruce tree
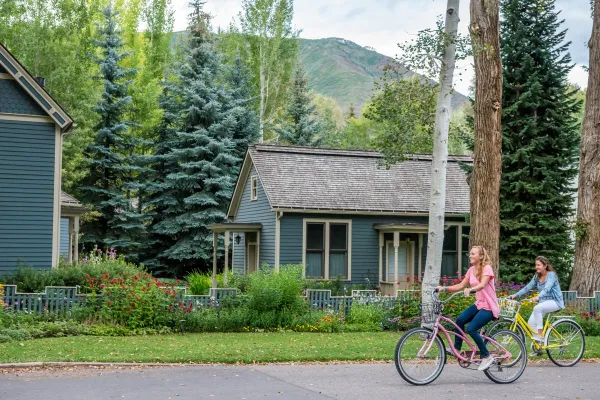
[110,184]
[197,154]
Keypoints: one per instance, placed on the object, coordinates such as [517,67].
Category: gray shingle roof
[68,199]
[328,179]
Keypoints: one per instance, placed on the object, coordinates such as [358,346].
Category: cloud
[354,13]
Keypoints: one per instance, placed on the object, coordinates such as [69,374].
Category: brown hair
[484,259]
[546,263]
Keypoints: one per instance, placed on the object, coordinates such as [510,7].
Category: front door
[402,261]
[251,260]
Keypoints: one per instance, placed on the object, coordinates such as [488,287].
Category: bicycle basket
[508,308]
[430,312]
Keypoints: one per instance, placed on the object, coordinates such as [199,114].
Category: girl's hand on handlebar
[535,299]
[467,292]
[512,297]
[439,289]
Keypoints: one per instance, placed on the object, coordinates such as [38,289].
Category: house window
[315,250]
[327,249]
[253,188]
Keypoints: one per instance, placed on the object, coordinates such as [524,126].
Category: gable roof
[318,179]
[30,85]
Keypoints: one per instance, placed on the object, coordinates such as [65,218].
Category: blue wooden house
[32,126]
[340,213]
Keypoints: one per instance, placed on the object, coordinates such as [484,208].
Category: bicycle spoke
[419,357]
[565,343]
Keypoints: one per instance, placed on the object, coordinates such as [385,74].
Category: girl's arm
[454,288]
[527,288]
[484,281]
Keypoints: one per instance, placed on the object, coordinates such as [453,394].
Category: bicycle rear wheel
[565,343]
[510,356]
[420,356]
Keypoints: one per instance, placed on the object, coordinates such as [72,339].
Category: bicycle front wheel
[510,357]
[420,356]
[565,343]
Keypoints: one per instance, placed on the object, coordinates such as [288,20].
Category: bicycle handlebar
[435,296]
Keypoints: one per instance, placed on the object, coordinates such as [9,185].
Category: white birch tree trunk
[437,202]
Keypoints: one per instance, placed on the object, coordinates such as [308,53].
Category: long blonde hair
[484,259]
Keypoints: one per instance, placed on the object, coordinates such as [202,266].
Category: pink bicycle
[421,355]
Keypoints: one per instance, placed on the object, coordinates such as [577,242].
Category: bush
[366,315]
[270,291]
[31,280]
[137,301]
[199,283]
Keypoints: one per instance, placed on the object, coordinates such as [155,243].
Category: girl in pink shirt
[480,277]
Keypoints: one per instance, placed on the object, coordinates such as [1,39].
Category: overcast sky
[383,24]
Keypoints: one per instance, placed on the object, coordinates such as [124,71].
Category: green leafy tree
[271,46]
[540,136]
[301,126]
[117,224]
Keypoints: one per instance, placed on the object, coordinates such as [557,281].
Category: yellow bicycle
[563,338]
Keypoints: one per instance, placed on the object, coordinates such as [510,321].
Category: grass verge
[228,348]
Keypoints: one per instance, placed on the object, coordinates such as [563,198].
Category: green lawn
[217,348]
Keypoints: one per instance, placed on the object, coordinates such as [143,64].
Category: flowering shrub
[134,301]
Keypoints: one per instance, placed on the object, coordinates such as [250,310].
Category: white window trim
[410,259]
[253,185]
[327,222]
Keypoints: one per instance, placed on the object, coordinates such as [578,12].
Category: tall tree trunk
[437,201]
[487,168]
[586,273]
[261,114]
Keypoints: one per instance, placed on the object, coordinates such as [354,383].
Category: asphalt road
[349,381]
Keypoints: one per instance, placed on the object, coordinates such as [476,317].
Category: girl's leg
[464,318]
[539,311]
[481,319]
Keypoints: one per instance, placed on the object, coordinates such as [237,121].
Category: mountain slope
[347,72]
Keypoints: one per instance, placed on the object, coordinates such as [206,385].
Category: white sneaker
[486,363]
[537,338]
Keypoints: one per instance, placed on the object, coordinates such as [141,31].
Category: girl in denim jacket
[550,296]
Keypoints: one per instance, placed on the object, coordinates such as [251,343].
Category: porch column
[214,274]
[396,245]
[381,243]
[76,237]
[420,256]
[459,247]
[225,270]
[70,252]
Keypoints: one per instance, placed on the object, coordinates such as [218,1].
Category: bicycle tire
[399,352]
[553,353]
[498,366]
[503,324]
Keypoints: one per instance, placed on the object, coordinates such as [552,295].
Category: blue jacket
[549,290]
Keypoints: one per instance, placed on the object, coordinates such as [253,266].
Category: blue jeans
[476,319]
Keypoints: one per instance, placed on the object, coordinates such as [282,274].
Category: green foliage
[301,125]
[109,183]
[540,140]
[137,301]
[370,315]
[200,282]
[269,46]
[94,265]
[195,181]
[272,291]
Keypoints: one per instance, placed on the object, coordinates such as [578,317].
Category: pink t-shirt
[485,298]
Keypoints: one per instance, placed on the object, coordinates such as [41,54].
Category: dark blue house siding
[365,241]
[64,237]
[26,193]
[258,211]
[14,100]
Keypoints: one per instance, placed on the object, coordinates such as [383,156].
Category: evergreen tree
[111,165]
[158,198]
[540,139]
[302,124]
[196,183]
[246,130]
